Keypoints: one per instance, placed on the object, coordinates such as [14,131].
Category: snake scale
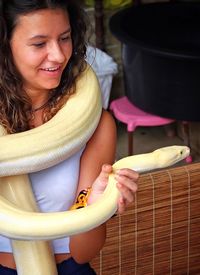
[43,147]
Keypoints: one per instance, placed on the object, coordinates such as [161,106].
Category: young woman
[42,53]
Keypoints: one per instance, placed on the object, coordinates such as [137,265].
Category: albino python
[47,145]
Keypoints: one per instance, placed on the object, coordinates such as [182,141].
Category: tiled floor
[147,139]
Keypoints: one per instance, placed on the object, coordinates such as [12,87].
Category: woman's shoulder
[106,127]
[107,118]
[103,141]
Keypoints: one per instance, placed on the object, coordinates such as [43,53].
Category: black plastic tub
[161,57]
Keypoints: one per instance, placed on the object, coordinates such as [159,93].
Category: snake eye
[181,152]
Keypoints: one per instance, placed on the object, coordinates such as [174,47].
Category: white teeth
[50,69]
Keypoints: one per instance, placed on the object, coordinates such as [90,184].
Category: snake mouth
[170,157]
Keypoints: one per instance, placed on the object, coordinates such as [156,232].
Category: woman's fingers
[102,180]
[121,205]
[105,171]
[128,173]
[126,183]
[126,193]
[127,178]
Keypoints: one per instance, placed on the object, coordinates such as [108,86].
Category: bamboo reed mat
[160,231]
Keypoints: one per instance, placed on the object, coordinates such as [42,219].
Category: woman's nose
[56,53]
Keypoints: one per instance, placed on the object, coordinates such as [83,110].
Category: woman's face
[41,46]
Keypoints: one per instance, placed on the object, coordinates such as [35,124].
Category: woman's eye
[39,45]
[66,38]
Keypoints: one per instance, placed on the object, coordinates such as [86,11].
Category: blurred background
[109,65]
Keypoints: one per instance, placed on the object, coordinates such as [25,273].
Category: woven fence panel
[160,232]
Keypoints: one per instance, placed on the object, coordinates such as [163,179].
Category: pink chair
[128,113]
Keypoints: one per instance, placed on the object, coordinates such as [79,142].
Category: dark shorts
[68,267]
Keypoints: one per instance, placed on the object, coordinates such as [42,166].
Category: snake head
[171,154]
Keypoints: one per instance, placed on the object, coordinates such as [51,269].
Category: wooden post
[137,2]
[99,24]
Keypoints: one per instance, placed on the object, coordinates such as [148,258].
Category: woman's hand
[126,183]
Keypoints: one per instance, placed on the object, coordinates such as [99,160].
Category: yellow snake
[43,147]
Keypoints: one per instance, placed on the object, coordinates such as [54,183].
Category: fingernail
[121,200]
[119,185]
[118,172]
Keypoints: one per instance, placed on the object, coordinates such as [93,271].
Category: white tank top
[54,189]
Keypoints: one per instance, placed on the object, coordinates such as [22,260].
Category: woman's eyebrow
[40,36]
[66,32]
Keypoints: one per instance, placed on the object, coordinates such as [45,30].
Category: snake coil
[44,147]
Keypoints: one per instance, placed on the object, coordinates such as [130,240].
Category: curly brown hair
[15,105]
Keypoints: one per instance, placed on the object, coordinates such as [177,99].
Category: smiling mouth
[53,69]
